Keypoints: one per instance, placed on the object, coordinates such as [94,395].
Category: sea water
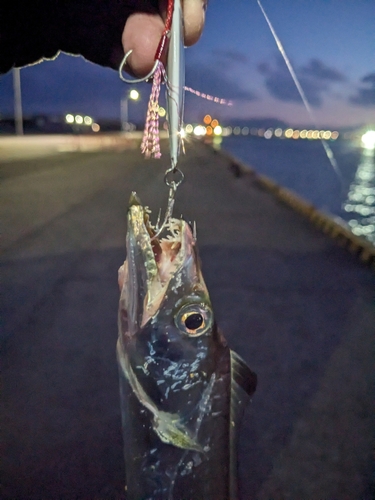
[303,166]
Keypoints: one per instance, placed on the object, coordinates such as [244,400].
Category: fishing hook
[173,185]
[136,80]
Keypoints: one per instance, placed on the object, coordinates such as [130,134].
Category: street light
[134,96]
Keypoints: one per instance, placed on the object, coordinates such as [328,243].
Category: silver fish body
[182,389]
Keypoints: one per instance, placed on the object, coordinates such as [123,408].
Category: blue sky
[331,44]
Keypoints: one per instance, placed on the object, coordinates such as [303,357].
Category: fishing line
[302,94]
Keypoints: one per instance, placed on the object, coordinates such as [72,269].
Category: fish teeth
[158,220]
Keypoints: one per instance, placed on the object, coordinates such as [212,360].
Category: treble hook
[173,185]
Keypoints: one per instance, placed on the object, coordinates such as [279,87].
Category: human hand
[143,31]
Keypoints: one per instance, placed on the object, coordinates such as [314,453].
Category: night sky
[331,44]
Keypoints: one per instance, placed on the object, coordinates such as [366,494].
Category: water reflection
[361,197]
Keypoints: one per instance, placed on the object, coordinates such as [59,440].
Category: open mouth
[152,260]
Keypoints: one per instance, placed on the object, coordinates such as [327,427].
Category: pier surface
[297,307]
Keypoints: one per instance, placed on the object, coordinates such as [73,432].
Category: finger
[194,17]
[143,31]
[142,34]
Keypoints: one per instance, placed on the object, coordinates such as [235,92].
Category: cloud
[320,71]
[210,79]
[230,56]
[365,96]
[315,78]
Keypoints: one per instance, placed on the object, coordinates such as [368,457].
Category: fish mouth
[152,261]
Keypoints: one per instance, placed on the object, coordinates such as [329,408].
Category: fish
[182,389]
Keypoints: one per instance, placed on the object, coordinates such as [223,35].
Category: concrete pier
[291,301]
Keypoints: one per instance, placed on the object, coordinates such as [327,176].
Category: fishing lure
[183,391]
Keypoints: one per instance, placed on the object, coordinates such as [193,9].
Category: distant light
[268,134]
[260,132]
[353,223]
[162,112]
[327,134]
[303,134]
[334,135]
[189,128]
[182,133]
[309,134]
[79,119]
[245,131]
[288,133]
[207,119]
[227,131]
[315,134]
[209,130]
[295,134]
[69,118]
[363,210]
[134,94]
[368,139]
[214,123]
[88,120]
[199,130]
[278,132]
[218,130]
[95,127]
[236,130]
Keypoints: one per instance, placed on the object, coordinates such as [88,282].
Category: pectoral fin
[171,431]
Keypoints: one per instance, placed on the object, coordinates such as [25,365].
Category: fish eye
[194,319]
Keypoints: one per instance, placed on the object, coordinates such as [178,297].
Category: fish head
[162,275]
[166,319]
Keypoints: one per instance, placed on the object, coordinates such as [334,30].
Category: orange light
[209,130]
[214,123]
[295,134]
[207,119]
